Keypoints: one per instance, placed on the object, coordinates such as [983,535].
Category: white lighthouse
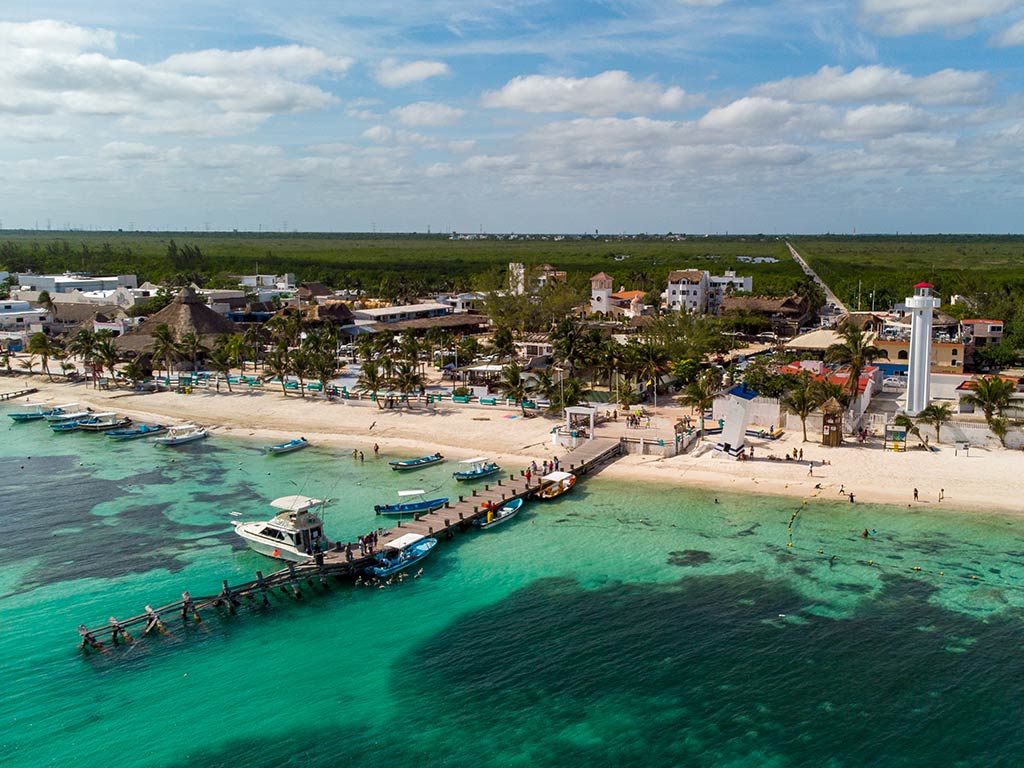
[921,305]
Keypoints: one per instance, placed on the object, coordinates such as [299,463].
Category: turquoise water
[621,625]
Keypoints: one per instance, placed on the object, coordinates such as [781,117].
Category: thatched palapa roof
[187,313]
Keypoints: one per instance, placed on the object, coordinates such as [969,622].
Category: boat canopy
[405,541]
[555,477]
[418,492]
[182,427]
[63,407]
[477,460]
[104,415]
[295,503]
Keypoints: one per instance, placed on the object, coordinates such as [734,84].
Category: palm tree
[192,348]
[252,340]
[701,393]
[5,358]
[503,344]
[45,301]
[803,400]
[222,361]
[301,366]
[164,348]
[28,365]
[134,371]
[936,415]
[106,354]
[279,365]
[569,394]
[42,345]
[511,384]
[325,368]
[407,378]
[991,394]
[855,352]
[371,378]
[653,363]
[902,420]
[606,360]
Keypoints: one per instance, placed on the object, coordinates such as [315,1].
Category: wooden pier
[344,560]
[18,393]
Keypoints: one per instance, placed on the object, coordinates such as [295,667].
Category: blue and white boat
[477,468]
[69,425]
[104,422]
[68,414]
[411,507]
[139,430]
[40,411]
[422,461]
[185,433]
[292,445]
[401,553]
[496,517]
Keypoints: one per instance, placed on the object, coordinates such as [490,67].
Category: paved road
[830,297]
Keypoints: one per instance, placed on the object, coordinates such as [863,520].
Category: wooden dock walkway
[18,393]
[344,560]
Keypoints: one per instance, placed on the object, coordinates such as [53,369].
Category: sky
[696,116]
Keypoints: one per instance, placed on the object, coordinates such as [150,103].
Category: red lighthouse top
[924,285]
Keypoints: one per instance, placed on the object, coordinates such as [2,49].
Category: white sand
[987,479]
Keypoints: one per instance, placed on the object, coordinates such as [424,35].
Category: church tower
[601,293]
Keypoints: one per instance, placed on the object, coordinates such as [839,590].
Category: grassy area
[361,260]
[891,266]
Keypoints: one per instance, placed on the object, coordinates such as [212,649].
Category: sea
[621,625]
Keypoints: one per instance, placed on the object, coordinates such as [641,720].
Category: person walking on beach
[556,463]
[942,493]
[851,498]
[801,454]
[376,450]
[842,489]
[915,494]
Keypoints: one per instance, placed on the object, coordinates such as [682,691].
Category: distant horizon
[518,234]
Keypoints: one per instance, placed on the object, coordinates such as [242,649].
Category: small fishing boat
[69,414]
[401,553]
[294,534]
[186,433]
[103,422]
[70,425]
[554,484]
[478,467]
[422,461]
[292,445]
[498,516]
[411,507]
[40,411]
[139,430]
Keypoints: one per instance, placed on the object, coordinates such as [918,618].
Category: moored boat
[411,507]
[186,433]
[69,425]
[401,553]
[69,414]
[422,461]
[498,516]
[139,430]
[292,445]
[554,484]
[294,534]
[40,411]
[102,422]
[477,468]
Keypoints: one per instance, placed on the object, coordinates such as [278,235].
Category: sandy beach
[987,479]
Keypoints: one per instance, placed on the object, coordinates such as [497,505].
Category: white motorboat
[186,433]
[294,534]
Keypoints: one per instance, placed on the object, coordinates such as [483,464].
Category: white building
[601,286]
[68,282]
[398,314]
[285,282]
[697,291]
[687,291]
[18,315]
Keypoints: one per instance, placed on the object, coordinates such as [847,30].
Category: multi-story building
[697,291]
[69,282]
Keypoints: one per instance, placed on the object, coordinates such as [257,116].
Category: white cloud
[52,35]
[609,93]
[50,71]
[293,61]
[427,113]
[880,121]
[378,134]
[878,83]
[1014,35]
[392,74]
[758,117]
[909,17]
